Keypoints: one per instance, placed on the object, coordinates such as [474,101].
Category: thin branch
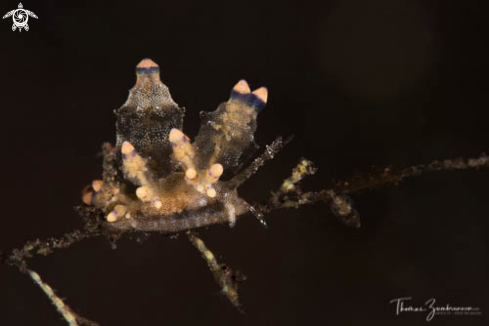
[390,176]
[18,257]
[291,196]
[223,275]
[268,154]
[68,314]
[93,228]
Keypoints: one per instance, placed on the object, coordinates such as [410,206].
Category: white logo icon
[20,17]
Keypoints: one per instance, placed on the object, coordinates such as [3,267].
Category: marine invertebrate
[156,179]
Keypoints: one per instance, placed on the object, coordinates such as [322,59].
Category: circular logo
[20,17]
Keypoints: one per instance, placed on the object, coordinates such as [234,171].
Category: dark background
[359,84]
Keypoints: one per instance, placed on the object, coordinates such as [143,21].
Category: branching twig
[289,195]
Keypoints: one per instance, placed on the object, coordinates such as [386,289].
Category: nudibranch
[156,179]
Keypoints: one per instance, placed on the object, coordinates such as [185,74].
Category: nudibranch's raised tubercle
[117,213]
[147,71]
[182,148]
[89,193]
[256,99]
[144,193]
[191,174]
[261,94]
[127,150]
[147,67]
[87,196]
[133,165]
[185,154]
[214,172]
[136,169]
[97,185]
[241,87]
